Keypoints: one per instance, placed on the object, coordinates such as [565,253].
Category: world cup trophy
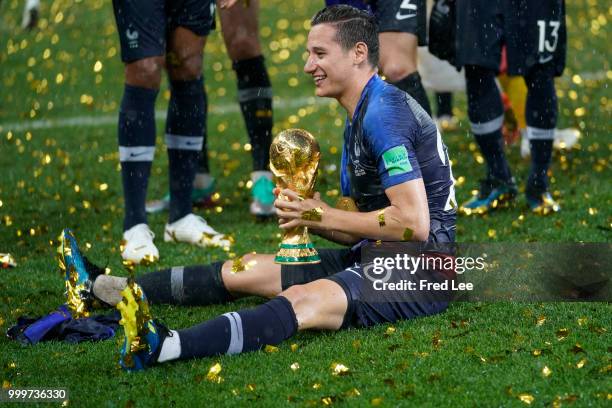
[294,160]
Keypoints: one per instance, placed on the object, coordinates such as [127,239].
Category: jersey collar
[369,85]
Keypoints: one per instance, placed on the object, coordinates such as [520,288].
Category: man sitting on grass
[394,166]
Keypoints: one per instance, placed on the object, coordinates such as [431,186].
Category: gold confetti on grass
[581,363]
[546,372]
[271,349]
[213,373]
[339,369]
[295,366]
[526,398]
[562,334]
[540,320]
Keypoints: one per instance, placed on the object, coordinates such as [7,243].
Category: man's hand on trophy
[294,211]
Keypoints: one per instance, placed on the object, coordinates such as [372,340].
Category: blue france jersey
[391,140]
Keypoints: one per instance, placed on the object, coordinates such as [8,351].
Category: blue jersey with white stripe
[391,140]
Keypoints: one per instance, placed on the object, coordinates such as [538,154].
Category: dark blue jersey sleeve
[392,131]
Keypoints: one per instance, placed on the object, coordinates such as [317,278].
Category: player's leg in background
[402,23]
[239,26]
[186,120]
[199,285]
[142,51]
[486,115]
[541,114]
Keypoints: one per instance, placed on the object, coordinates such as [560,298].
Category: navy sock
[242,331]
[444,102]
[486,114]
[136,130]
[197,285]
[184,139]
[414,87]
[541,115]
[255,96]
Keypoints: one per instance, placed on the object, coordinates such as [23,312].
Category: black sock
[255,96]
[198,285]
[242,331]
[184,138]
[492,148]
[444,102]
[541,154]
[414,87]
[486,114]
[136,130]
[541,115]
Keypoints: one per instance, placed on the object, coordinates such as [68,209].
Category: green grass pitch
[60,89]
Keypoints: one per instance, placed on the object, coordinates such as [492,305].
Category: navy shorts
[534,32]
[144,25]
[404,16]
[343,267]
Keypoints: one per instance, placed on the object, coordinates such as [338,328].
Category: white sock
[203,180]
[171,348]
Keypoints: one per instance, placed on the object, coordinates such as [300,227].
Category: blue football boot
[541,203]
[143,336]
[79,275]
[493,193]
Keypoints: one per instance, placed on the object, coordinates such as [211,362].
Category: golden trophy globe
[294,161]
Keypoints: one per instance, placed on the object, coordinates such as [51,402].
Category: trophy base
[297,254]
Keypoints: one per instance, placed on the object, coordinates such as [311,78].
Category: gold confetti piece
[314,214]
[6,385]
[582,321]
[491,233]
[376,401]
[526,398]
[537,352]
[546,372]
[295,366]
[581,363]
[65,403]
[381,218]
[339,369]
[346,204]
[7,261]
[540,320]
[316,386]
[250,387]
[390,330]
[326,400]
[354,392]
[271,349]
[294,347]
[238,265]
[577,349]
[407,236]
[562,334]
[213,373]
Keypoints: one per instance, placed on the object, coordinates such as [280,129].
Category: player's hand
[225,4]
[293,211]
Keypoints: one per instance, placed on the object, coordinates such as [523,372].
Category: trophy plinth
[294,160]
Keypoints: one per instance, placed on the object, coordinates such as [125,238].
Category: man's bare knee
[145,73]
[395,71]
[243,45]
[252,274]
[185,67]
[321,304]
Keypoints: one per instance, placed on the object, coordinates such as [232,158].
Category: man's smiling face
[329,64]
